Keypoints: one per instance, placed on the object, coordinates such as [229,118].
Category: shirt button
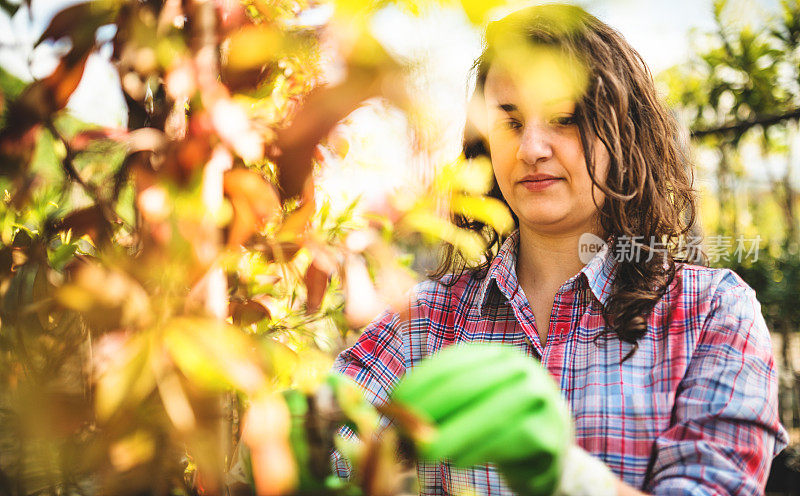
[563,328]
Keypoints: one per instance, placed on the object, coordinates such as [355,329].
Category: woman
[666,366]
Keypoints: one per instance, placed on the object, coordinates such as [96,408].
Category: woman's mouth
[539,182]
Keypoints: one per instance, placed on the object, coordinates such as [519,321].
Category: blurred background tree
[740,97]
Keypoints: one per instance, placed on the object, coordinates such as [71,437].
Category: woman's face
[538,158]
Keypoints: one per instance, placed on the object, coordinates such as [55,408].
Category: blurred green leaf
[10,8]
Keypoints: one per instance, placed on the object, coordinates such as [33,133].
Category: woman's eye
[512,124]
[563,120]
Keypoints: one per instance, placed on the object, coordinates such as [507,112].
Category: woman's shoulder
[718,294]
[710,281]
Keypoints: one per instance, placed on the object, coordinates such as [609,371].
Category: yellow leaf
[470,176]
[214,354]
[470,243]
[296,223]
[488,210]
[548,75]
[127,380]
[282,361]
[132,450]
[479,11]
[354,10]
[176,403]
[316,366]
[414,7]
[351,400]
[108,298]
[253,46]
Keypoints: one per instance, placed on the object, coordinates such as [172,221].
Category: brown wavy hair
[649,185]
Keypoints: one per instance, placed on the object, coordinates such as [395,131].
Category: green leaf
[10,8]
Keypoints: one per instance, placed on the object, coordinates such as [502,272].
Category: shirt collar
[502,271]
[598,274]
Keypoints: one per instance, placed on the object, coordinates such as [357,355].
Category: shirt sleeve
[375,362]
[725,428]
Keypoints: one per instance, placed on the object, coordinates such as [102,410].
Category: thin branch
[740,127]
[68,165]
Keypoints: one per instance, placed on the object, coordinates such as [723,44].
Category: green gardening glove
[491,403]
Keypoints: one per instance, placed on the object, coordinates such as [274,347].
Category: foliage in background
[180,284]
[739,94]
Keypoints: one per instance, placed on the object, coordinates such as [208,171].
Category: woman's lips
[539,184]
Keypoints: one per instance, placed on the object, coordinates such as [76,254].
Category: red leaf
[316,283]
[254,201]
[232,14]
[86,221]
[282,251]
[37,103]
[65,21]
[16,149]
[247,312]
[83,139]
[322,110]
[64,81]
[79,22]
[49,95]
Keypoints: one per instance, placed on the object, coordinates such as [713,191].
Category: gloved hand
[490,403]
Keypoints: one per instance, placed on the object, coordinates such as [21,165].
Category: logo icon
[589,245]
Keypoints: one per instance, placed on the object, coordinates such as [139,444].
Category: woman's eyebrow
[507,107]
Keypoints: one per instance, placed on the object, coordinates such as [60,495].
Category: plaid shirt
[693,411]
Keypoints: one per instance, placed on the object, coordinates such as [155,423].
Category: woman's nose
[534,143]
